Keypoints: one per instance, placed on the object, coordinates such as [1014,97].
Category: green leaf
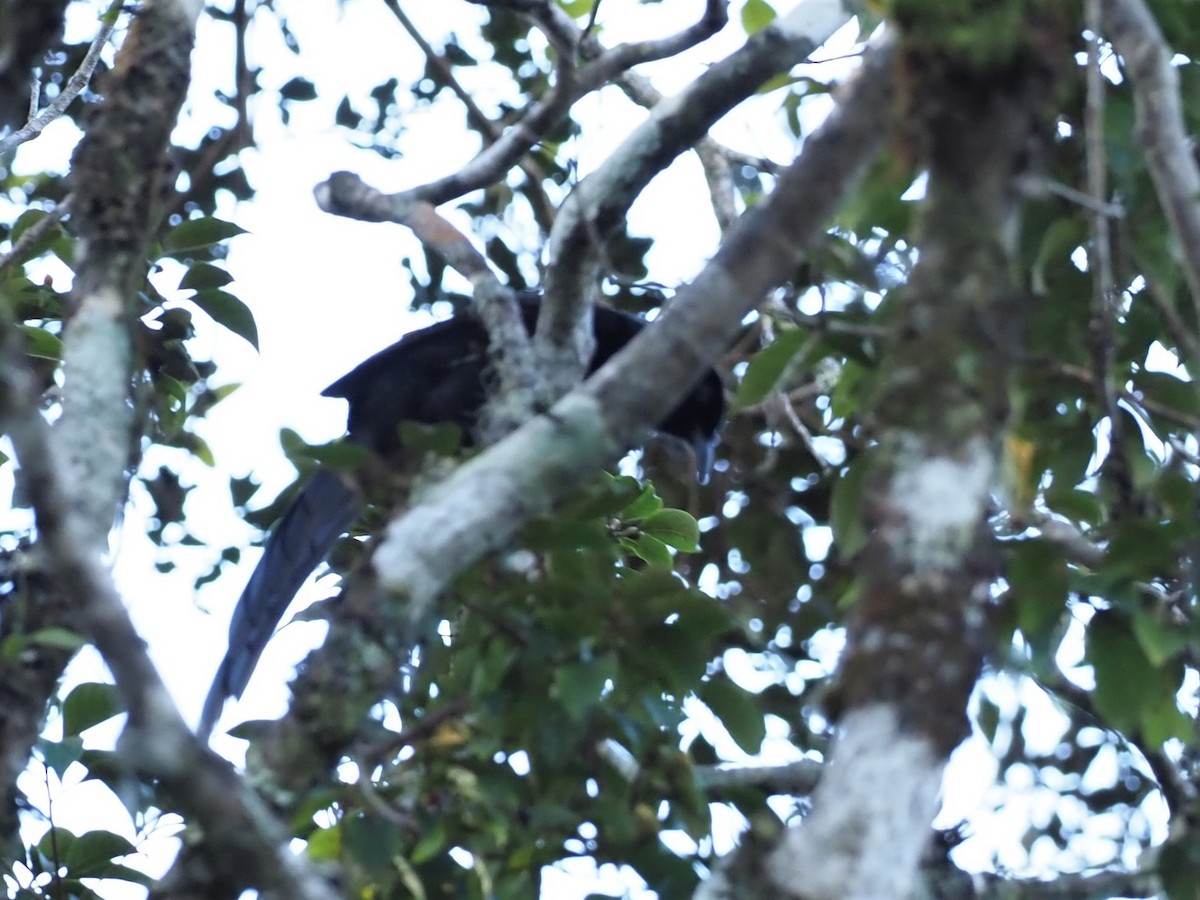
[41,344]
[988,719]
[757,15]
[1179,868]
[59,755]
[845,511]
[444,439]
[55,845]
[782,80]
[1162,720]
[92,853]
[58,638]
[47,239]
[652,595]
[87,705]
[738,711]
[1059,240]
[1161,641]
[1037,575]
[325,844]
[578,686]
[229,311]
[1141,549]
[767,367]
[430,844]
[853,384]
[199,448]
[371,842]
[675,528]
[1075,504]
[576,8]
[298,88]
[341,455]
[196,234]
[1168,390]
[202,276]
[1125,679]
[701,618]
[650,549]
[125,873]
[647,503]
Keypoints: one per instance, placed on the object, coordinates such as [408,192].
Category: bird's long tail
[326,507]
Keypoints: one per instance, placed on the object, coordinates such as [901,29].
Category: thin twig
[476,118]
[346,194]
[570,85]
[1083,376]
[1074,544]
[35,93]
[1181,333]
[1097,166]
[415,560]
[610,63]
[71,89]
[1032,184]
[34,232]
[797,777]
[1104,294]
[714,158]
[420,730]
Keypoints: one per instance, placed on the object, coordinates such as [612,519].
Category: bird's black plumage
[435,375]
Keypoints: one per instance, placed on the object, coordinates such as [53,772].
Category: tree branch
[490,131]
[797,777]
[1070,886]
[74,86]
[244,843]
[29,30]
[34,232]
[117,178]
[601,200]
[714,158]
[508,148]
[522,386]
[1160,127]
[915,642]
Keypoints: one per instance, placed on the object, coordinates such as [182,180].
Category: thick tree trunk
[940,404]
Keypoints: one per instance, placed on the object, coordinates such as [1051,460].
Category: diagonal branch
[29,30]
[75,473]
[72,89]
[571,84]
[602,200]
[244,840]
[348,195]
[31,235]
[1160,126]
[491,132]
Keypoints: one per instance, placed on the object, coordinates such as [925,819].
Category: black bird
[435,375]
